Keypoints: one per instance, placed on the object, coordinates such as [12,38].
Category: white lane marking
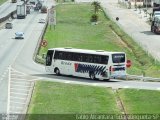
[21,98]
[67,82]
[4,73]
[158,88]
[18,103]
[94,84]
[3,76]
[126,87]
[18,93]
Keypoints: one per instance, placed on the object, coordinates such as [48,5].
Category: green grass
[60,98]
[2,1]
[74,29]
[60,101]
[140,101]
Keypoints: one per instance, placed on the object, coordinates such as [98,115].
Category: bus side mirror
[128,64]
[44,56]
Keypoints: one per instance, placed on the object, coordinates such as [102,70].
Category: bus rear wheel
[57,71]
[92,76]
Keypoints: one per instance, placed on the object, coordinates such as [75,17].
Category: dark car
[44,9]
[28,9]
[8,26]
[42,20]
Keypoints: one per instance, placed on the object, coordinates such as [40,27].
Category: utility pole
[146,4]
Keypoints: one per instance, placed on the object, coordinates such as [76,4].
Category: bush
[94,18]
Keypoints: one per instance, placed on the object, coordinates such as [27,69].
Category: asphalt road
[19,54]
[7,8]
[134,26]
[11,48]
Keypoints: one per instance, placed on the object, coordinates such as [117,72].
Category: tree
[97,6]
[94,18]
[139,7]
[135,4]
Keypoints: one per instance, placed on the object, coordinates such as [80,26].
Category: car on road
[19,35]
[155,14]
[155,25]
[44,9]
[28,7]
[42,20]
[8,25]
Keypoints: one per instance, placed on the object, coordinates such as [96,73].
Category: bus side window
[98,59]
[104,59]
[56,55]
[86,59]
[73,57]
[60,55]
[68,56]
[80,57]
[90,58]
[95,59]
[49,57]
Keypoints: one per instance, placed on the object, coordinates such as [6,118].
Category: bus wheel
[57,71]
[153,30]
[92,76]
[106,79]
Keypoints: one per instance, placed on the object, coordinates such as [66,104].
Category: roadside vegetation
[61,98]
[61,101]
[138,101]
[2,1]
[74,29]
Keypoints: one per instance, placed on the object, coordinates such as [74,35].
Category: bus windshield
[118,58]
[49,58]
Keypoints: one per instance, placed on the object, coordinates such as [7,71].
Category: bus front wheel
[57,71]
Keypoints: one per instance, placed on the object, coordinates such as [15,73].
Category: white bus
[86,63]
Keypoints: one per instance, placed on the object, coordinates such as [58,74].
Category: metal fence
[138,78]
[142,78]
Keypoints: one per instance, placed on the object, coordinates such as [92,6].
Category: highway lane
[10,49]
[7,8]
[133,26]
[113,83]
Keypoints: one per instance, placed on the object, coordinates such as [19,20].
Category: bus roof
[101,52]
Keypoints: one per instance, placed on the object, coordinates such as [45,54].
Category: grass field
[141,101]
[2,1]
[62,101]
[74,29]
[61,98]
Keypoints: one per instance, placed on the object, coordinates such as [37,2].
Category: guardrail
[7,16]
[142,78]
[137,77]
[36,53]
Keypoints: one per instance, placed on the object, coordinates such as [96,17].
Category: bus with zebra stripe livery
[93,64]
